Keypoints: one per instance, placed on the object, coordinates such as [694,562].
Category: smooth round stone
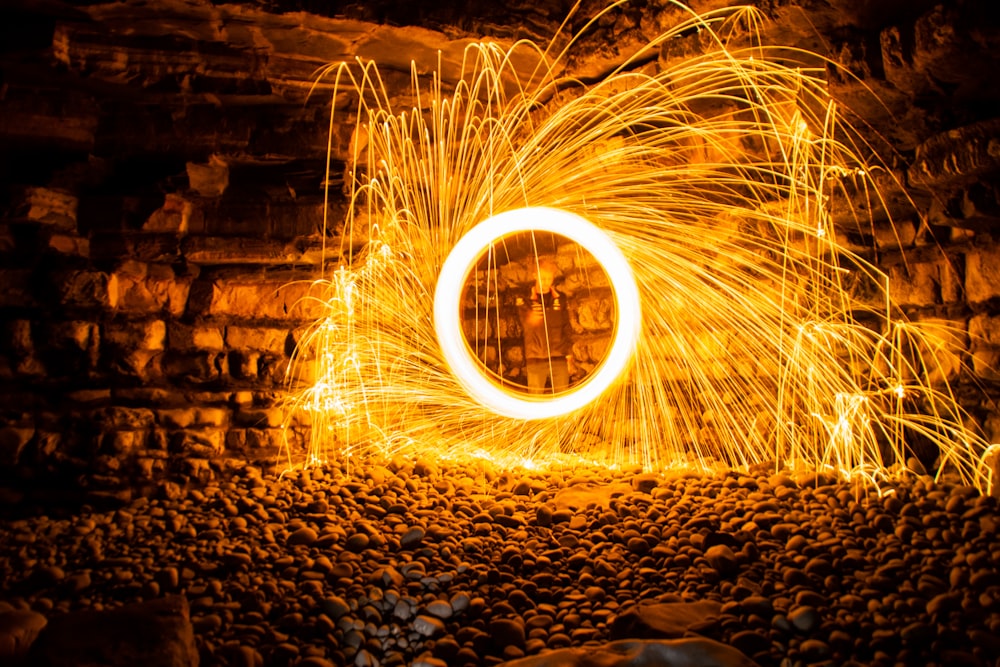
[387,576]
[569,540]
[543,515]
[425,468]
[638,545]
[750,642]
[511,652]
[819,567]
[944,603]
[357,542]
[241,656]
[431,661]
[539,621]
[534,645]
[722,558]
[286,650]
[813,649]
[50,574]
[440,609]
[459,602]
[982,579]
[793,577]
[809,598]
[562,515]
[364,658]
[169,578]
[402,610]
[780,622]
[796,543]
[805,619]
[918,632]
[335,607]
[758,604]
[522,488]
[428,626]
[412,538]
[207,624]
[782,531]
[79,582]
[322,564]
[314,661]
[342,571]
[304,535]
[238,559]
[507,632]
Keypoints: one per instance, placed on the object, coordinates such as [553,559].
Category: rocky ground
[426,564]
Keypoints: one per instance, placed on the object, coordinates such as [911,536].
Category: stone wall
[147,351]
[491,319]
[162,181]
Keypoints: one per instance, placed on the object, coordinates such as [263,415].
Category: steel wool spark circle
[448,326]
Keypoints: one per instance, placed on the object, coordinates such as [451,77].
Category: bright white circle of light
[448,325]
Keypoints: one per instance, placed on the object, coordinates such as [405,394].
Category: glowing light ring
[448,326]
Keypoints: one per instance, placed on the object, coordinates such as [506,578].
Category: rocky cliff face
[164,171]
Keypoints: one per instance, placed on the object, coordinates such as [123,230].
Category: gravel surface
[421,563]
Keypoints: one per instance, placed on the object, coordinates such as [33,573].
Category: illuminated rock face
[164,181]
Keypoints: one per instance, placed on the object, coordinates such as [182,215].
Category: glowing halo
[448,325]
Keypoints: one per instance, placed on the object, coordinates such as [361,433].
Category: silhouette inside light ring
[468,369]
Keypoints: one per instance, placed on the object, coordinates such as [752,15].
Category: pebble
[459,602]
[51,574]
[314,661]
[79,582]
[944,603]
[427,626]
[357,542]
[440,609]
[304,535]
[543,515]
[412,538]
[402,610]
[750,642]
[638,545]
[810,599]
[335,607]
[805,619]
[422,564]
[814,649]
[507,632]
[722,558]
[207,624]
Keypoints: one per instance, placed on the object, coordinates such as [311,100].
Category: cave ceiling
[122,77]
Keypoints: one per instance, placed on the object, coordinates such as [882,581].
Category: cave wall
[163,176]
[491,321]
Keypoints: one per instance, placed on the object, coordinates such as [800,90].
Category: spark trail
[763,337]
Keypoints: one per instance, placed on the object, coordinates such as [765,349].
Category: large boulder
[18,629]
[694,652]
[157,633]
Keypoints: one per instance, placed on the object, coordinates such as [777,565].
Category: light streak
[763,337]
[448,325]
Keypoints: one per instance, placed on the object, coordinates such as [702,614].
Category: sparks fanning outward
[761,337]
